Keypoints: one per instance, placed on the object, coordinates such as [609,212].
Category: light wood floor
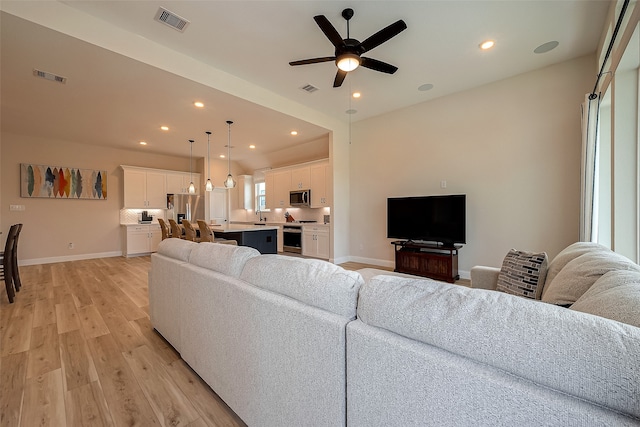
[77,349]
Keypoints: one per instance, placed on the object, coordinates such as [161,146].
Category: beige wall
[513,147]
[92,225]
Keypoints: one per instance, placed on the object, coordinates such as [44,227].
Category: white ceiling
[110,99]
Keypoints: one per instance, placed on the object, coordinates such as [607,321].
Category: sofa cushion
[311,281]
[590,357]
[615,295]
[176,248]
[225,259]
[568,254]
[523,274]
[580,273]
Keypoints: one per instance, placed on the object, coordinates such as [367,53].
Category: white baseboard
[51,260]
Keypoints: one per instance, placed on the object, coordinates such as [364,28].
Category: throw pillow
[615,295]
[581,273]
[523,274]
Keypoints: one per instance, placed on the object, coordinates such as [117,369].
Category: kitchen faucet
[259,212]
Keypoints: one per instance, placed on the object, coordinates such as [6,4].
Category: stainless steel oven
[292,238]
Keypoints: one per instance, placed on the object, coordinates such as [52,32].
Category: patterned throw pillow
[523,274]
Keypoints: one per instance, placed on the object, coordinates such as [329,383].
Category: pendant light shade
[209,185]
[229,182]
[192,188]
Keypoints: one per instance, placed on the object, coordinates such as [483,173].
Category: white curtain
[589,170]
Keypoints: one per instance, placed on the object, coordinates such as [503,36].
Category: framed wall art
[58,182]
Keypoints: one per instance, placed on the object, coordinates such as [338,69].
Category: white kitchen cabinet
[315,241]
[178,182]
[300,178]
[245,192]
[144,189]
[141,239]
[320,186]
[277,187]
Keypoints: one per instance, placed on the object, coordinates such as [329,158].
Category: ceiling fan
[348,51]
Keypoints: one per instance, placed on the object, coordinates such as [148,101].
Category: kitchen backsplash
[277,215]
[131,216]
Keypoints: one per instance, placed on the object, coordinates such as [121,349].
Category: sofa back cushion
[568,254]
[225,259]
[311,281]
[615,295]
[579,274]
[552,346]
[178,249]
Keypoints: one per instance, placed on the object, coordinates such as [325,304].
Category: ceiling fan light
[348,62]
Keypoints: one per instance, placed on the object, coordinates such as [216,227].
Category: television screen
[440,219]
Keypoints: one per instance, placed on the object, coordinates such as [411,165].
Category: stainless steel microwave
[300,198]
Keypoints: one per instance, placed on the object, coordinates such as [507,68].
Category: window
[261,202]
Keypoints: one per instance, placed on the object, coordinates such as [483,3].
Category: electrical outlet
[70,245]
[443,183]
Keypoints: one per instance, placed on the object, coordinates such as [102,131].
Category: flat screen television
[434,219]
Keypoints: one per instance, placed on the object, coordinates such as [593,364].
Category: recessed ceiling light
[425,87]
[487,44]
[356,94]
[544,48]
[294,132]
[143,143]
[351,111]
[222,156]
[252,146]
[198,104]
[165,128]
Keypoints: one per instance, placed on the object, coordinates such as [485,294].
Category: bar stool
[164,229]
[189,231]
[176,231]
[206,235]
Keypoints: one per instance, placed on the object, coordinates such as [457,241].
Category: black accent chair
[17,284]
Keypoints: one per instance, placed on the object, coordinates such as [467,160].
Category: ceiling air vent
[171,19]
[49,76]
[309,88]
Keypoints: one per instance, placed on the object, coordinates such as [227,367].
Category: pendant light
[192,188]
[229,182]
[209,185]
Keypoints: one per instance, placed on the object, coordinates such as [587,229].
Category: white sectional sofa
[293,342]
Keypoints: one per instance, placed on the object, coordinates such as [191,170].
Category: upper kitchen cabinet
[144,188]
[320,185]
[300,178]
[277,187]
[245,192]
[178,182]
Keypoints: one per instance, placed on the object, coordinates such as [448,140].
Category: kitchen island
[261,237]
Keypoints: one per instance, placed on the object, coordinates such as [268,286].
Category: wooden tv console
[428,260]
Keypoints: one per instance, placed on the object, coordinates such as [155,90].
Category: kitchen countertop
[241,227]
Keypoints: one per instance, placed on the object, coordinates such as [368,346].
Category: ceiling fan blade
[383,35]
[340,75]
[374,64]
[313,60]
[328,30]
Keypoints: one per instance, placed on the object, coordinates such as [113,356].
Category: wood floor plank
[67,317]
[76,360]
[92,322]
[13,373]
[45,312]
[169,403]
[44,354]
[125,335]
[124,396]
[17,336]
[212,409]
[87,407]
[160,346]
[45,398]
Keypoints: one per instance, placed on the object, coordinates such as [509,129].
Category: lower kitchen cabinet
[141,239]
[315,241]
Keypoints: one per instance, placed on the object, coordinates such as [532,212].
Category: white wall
[513,147]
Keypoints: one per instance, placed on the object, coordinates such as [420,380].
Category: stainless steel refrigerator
[189,206]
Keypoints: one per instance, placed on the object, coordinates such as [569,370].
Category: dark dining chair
[17,284]
[7,263]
